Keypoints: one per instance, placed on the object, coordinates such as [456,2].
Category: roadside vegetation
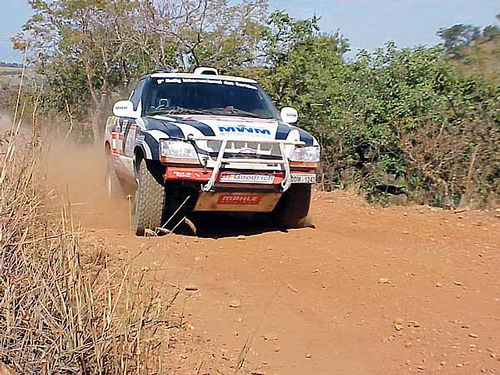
[415,124]
[66,306]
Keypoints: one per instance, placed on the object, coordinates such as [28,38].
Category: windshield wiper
[235,111]
[176,110]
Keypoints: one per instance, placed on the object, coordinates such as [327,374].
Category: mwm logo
[241,129]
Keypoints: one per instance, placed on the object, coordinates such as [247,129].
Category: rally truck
[201,141]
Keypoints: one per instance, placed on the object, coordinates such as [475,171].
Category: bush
[396,122]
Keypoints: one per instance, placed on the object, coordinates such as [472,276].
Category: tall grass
[65,307]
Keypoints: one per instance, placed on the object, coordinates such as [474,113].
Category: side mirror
[289,115]
[124,108]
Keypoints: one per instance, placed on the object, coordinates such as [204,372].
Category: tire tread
[150,202]
[293,208]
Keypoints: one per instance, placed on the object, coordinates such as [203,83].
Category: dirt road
[369,290]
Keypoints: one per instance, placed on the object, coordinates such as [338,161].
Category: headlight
[310,154]
[175,151]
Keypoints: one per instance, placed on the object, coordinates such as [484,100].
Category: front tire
[150,202]
[293,207]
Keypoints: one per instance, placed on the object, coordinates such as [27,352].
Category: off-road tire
[149,203]
[111,181]
[293,207]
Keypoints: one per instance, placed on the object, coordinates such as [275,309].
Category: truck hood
[226,127]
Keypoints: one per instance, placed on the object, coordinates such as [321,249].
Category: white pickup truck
[202,141]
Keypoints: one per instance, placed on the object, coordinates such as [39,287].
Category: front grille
[248,156]
[242,149]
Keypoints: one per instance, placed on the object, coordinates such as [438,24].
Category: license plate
[305,178]
[247,178]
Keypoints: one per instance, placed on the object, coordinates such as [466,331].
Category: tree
[285,45]
[71,39]
[458,35]
[491,33]
[219,33]
[109,43]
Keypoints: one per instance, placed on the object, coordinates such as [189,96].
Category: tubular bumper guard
[222,160]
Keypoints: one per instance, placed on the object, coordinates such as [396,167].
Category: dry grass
[65,309]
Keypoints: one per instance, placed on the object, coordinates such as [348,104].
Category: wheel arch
[154,166]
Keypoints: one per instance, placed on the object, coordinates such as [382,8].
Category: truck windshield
[208,96]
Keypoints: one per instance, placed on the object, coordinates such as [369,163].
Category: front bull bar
[287,180]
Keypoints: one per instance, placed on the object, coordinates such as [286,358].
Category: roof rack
[202,70]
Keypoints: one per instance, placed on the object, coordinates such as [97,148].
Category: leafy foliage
[459,35]
[91,49]
[457,38]
[421,122]
[400,121]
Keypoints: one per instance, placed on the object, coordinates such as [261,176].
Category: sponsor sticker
[182,174]
[244,130]
[116,143]
[194,174]
[246,178]
[240,199]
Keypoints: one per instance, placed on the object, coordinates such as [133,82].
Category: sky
[367,24]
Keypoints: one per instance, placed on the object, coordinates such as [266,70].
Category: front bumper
[237,191]
[242,182]
[243,162]
[239,178]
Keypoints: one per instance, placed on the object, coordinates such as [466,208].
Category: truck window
[136,96]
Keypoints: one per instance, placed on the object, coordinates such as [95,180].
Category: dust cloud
[77,172]
[5,123]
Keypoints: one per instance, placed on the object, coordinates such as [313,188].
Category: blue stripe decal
[201,126]
[282,131]
[153,145]
[305,137]
[169,128]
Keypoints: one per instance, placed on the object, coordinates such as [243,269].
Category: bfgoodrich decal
[246,178]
